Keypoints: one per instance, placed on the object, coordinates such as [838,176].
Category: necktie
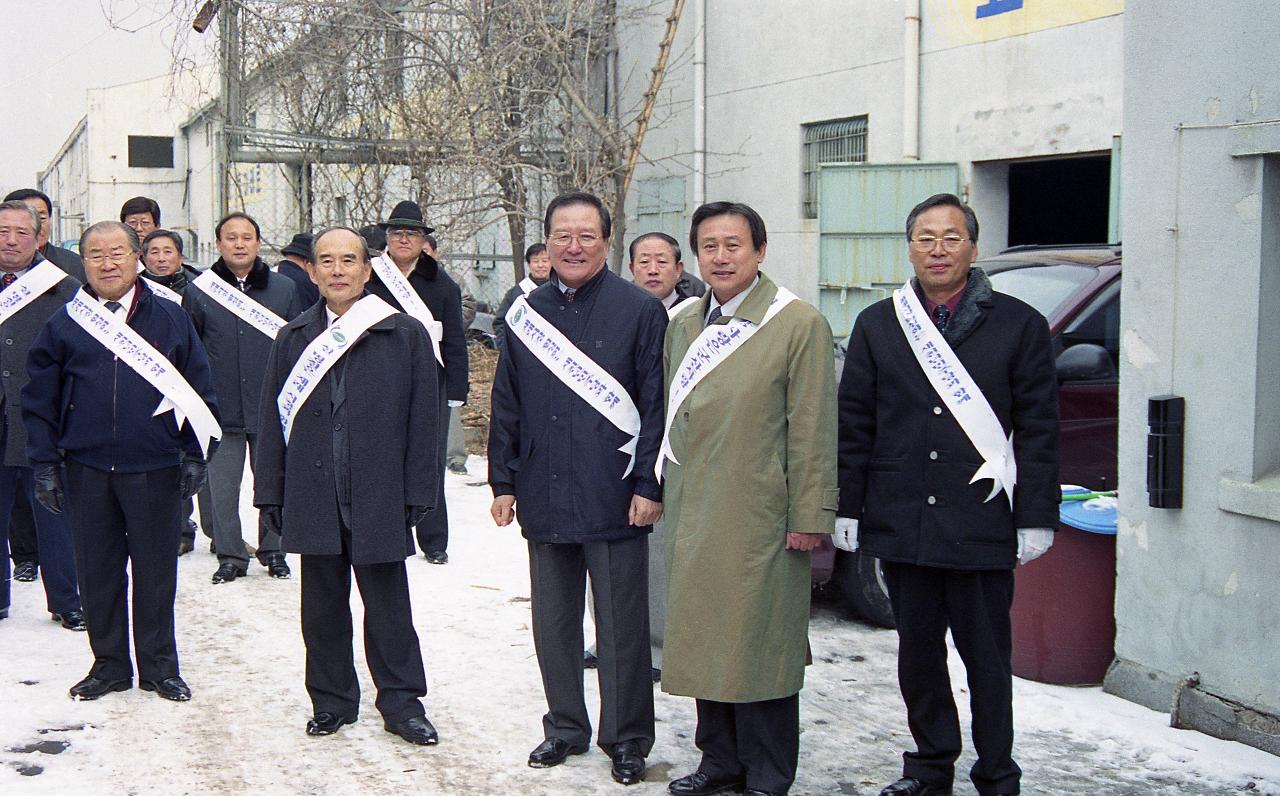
[569,294]
[244,288]
[7,279]
[113,306]
[941,315]
[714,316]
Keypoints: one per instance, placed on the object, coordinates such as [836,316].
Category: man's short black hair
[662,236]
[534,251]
[217,231]
[945,200]
[431,241]
[577,198]
[141,204]
[713,209]
[22,194]
[162,233]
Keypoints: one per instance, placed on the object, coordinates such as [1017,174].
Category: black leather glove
[194,473]
[413,515]
[272,521]
[48,488]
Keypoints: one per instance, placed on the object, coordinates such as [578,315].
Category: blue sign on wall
[993,7]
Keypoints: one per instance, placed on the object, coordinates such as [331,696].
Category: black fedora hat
[407,215]
[300,245]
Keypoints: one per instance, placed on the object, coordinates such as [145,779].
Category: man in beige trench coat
[750,488]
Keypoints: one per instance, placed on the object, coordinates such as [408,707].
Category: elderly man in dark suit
[948,461]
[348,407]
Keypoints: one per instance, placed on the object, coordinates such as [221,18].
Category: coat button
[315,412]
[337,426]
[932,500]
[8,341]
[937,410]
[554,418]
[6,373]
[933,455]
[554,476]
[320,464]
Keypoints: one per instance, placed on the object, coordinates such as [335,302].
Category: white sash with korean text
[716,344]
[527,285]
[164,292]
[238,303]
[679,305]
[959,393]
[323,352]
[578,372]
[29,287]
[409,300]
[130,348]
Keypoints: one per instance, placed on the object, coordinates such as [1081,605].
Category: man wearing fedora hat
[297,266]
[409,278]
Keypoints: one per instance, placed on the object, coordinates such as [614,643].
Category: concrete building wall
[1038,82]
[1198,597]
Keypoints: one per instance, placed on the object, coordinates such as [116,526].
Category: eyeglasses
[562,240]
[405,233]
[925,243]
[116,258]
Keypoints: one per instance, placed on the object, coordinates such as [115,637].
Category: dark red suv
[1077,288]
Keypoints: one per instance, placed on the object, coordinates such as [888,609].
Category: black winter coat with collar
[905,462]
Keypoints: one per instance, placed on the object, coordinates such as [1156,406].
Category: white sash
[27,288]
[322,352]
[959,392]
[527,285]
[239,303]
[409,300]
[577,371]
[163,291]
[679,305]
[130,348]
[716,343]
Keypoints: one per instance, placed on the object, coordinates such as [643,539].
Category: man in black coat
[29,294]
[440,311]
[297,266]
[537,266]
[347,482]
[656,266]
[91,404]
[912,493]
[586,504]
[238,352]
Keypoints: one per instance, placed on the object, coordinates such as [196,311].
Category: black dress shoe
[700,783]
[228,572]
[173,688]
[277,566]
[910,786]
[4,613]
[186,546]
[91,688]
[437,557]
[326,723]
[416,730]
[628,763]
[25,571]
[552,752]
[71,620]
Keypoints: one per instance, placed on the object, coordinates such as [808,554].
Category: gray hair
[22,207]
[945,200]
[364,244]
[135,243]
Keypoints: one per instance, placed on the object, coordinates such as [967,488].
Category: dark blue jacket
[81,400]
[307,289]
[548,447]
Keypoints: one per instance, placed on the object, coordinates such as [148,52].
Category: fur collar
[971,309]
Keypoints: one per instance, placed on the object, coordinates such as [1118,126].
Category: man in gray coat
[340,469]
[238,350]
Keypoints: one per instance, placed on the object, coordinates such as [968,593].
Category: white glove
[1033,543]
[846,535]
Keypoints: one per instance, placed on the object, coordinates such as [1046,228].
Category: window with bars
[835,141]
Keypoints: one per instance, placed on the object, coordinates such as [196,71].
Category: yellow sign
[954,23]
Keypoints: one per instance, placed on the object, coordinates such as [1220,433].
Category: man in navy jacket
[555,459]
[127,467]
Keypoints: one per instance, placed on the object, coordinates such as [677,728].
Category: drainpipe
[911,81]
[699,102]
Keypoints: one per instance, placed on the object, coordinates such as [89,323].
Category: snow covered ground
[241,652]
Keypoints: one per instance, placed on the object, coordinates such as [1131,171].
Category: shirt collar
[671,299]
[731,306]
[125,301]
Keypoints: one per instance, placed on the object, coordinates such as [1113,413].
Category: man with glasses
[409,278]
[573,436]
[949,474]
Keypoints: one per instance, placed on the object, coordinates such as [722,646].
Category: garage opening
[1064,200]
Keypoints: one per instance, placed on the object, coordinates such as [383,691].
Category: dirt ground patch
[475,415]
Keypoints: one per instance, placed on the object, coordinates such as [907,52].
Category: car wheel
[862,588]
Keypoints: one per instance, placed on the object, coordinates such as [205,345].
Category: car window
[1048,288]
[1098,323]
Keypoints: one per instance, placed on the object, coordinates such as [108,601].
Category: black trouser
[433,531]
[120,519]
[757,741]
[390,641]
[619,587]
[206,515]
[22,531]
[975,605]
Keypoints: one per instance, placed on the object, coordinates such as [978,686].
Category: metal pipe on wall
[699,102]
[911,80]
